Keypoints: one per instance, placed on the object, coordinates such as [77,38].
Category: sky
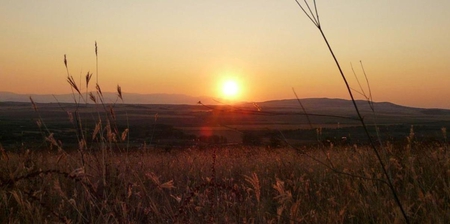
[192,47]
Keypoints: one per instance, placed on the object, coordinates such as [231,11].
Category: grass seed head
[92,97]
[124,134]
[119,92]
[97,129]
[88,78]
[73,84]
[99,90]
[254,181]
[51,139]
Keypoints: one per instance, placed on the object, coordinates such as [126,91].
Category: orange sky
[191,47]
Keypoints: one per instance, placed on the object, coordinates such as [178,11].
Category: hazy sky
[191,47]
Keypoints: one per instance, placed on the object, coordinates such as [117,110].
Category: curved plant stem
[372,145]
[315,19]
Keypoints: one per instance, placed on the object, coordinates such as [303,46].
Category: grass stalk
[314,17]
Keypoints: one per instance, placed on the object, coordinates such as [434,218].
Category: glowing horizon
[269,47]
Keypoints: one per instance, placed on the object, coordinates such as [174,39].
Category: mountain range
[128,98]
[339,106]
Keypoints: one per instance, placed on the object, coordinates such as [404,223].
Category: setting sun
[230,89]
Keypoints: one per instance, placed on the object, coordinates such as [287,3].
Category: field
[187,125]
[192,164]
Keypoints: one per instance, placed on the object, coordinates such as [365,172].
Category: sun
[230,89]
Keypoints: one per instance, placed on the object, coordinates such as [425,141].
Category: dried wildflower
[77,173]
[254,181]
[99,90]
[88,78]
[155,179]
[110,135]
[92,97]
[51,139]
[73,84]
[167,185]
[96,52]
[97,129]
[124,134]
[119,92]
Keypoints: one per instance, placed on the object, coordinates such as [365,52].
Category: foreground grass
[225,185]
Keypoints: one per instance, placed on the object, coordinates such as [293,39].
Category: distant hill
[332,104]
[311,105]
[129,98]
[341,106]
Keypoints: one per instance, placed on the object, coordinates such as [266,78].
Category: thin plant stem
[367,81]
[303,108]
[96,62]
[314,18]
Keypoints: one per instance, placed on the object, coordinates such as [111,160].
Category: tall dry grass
[312,13]
[239,185]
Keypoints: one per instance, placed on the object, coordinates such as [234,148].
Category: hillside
[346,106]
[129,98]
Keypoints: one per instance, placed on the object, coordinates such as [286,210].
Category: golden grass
[224,185]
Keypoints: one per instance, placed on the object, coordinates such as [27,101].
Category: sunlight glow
[230,89]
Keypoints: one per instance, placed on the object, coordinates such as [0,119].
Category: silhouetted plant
[313,15]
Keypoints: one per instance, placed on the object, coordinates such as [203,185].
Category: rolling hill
[311,105]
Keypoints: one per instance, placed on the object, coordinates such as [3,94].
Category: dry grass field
[226,185]
[80,164]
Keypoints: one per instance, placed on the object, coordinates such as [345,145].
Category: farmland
[151,124]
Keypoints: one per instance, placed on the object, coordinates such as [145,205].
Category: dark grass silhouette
[314,17]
